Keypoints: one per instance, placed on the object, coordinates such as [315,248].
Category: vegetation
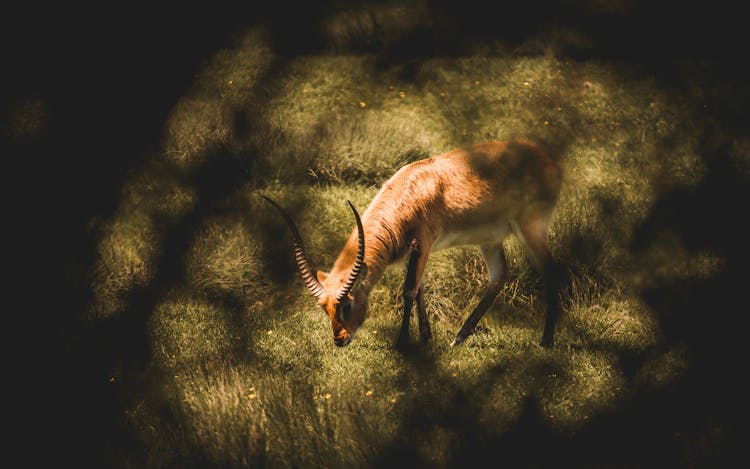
[241,369]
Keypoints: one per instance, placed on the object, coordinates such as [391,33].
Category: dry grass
[245,358]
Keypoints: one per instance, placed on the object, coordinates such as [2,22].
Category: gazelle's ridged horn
[308,273]
[347,287]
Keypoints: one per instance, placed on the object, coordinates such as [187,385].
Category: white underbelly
[486,234]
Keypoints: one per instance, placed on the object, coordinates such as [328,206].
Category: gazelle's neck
[382,247]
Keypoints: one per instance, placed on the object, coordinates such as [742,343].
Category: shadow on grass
[691,422]
[122,369]
[105,363]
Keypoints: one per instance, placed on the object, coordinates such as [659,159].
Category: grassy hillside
[231,362]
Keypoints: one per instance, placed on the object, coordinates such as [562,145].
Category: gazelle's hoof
[547,342]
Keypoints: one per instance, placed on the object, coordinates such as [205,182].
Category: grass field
[238,367]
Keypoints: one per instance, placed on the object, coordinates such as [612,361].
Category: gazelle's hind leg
[494,257]
[534,235]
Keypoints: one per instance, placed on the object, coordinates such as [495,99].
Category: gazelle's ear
[322,276]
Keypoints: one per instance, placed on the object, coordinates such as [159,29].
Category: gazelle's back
[499,176]
[469,195]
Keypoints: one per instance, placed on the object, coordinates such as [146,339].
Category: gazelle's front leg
[412,290]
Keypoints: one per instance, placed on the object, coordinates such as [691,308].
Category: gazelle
[474,195]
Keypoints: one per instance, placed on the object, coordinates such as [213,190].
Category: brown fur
[466,196]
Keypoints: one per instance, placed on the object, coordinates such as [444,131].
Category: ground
[163,300]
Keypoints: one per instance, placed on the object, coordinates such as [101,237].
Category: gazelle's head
[340,295]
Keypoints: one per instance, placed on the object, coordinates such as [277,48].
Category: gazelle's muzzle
[342,339]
